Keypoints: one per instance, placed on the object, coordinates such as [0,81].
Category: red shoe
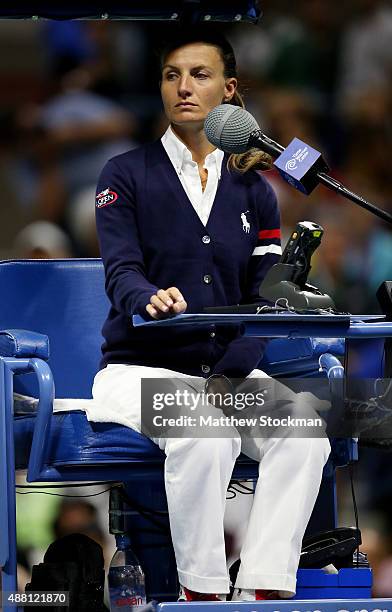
[188,595]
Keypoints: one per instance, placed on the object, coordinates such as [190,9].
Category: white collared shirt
[188,173]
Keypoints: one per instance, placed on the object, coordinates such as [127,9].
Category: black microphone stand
[337,186]
[274,149]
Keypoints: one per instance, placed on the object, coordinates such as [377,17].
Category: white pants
[197,474]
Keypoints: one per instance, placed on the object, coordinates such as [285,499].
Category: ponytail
[252,159]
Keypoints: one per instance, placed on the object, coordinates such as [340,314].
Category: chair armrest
[343,450]
[21,343]
[9,366]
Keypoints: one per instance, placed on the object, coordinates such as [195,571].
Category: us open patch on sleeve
[105,197]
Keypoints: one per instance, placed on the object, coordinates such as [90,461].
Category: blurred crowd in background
[75,93]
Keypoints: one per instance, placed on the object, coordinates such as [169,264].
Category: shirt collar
[179,153]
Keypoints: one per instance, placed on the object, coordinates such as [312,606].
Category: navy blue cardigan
[151,238]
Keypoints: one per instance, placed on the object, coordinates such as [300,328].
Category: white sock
[244,595]
[222,596]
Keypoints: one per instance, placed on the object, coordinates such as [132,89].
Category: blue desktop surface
[203,318]
[286,325]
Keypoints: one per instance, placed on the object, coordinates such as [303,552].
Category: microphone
[234,130]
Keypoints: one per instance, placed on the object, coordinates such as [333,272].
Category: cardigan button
[207,278]
[206,239]
[205,368]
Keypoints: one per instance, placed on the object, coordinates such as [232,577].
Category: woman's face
[193,83]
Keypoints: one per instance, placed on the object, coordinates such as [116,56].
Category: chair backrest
[64,299]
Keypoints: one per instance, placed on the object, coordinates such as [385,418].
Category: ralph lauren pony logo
[245,222]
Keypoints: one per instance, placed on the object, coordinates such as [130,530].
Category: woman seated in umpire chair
[182,226]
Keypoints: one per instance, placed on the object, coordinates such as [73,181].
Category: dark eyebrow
[169,66]
[194,69]
[201,67]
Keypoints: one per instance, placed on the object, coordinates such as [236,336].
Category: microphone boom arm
[331,183]
[263,142]
[234,130]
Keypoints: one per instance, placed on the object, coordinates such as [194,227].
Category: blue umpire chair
[51,313]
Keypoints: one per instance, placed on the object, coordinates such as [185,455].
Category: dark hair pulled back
[252,159]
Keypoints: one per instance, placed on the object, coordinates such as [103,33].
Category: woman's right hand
[166,303]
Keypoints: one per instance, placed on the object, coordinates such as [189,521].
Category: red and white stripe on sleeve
[268,242]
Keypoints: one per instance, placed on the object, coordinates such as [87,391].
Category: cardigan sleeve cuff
[142,301]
